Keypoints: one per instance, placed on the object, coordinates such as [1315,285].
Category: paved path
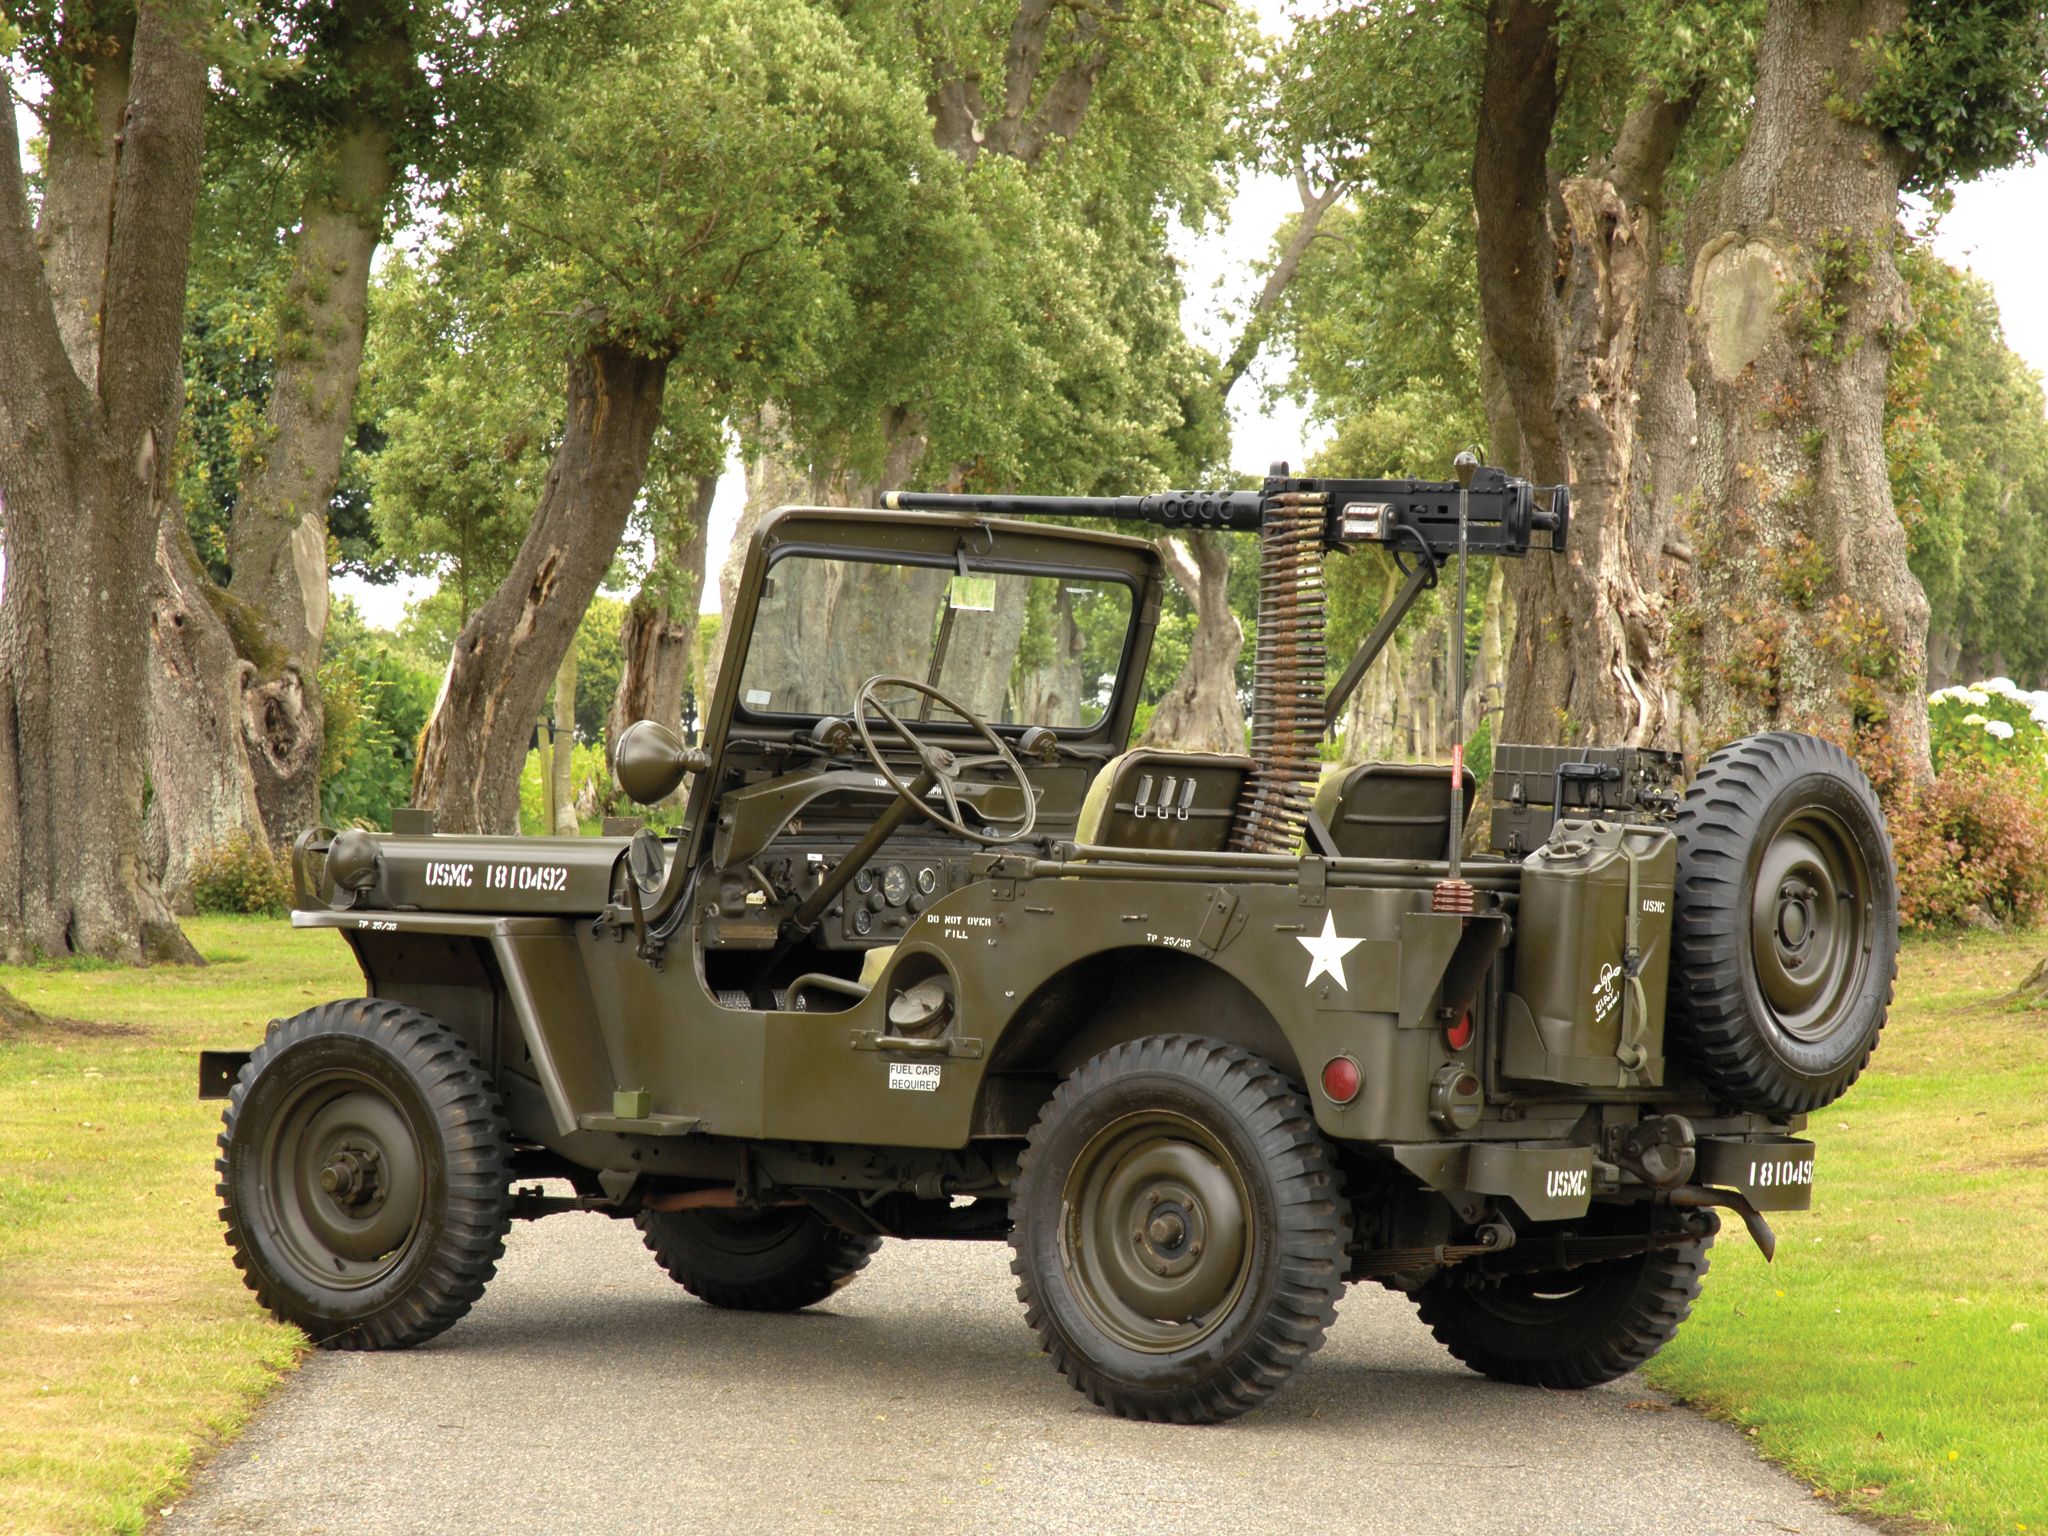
[589,1393]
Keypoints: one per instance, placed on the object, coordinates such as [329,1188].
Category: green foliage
[1973,841]
[242,873]
[599,661]
[377,704]
[468,420]
[1962,87]
[1966,439]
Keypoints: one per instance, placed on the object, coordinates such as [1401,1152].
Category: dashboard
[886,897]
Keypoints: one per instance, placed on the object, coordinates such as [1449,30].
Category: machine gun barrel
[1411,516]
[1169,509]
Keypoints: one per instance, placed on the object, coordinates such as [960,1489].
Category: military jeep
[932,952]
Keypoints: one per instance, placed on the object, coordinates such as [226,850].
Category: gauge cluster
[886,897]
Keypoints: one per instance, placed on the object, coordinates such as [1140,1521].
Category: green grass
[129,1338]
[1896,1355]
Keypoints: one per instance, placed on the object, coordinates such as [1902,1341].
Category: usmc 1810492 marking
[549,879]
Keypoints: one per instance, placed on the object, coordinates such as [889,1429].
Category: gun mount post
[1420,580]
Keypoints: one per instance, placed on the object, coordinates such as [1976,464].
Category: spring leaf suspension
[1289,677]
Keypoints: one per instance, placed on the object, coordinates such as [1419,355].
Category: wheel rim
[1809,931]
[1155,1234]
[343,1181]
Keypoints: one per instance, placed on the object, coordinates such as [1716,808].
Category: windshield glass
[1015,649]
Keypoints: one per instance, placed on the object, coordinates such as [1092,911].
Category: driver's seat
[1150,797]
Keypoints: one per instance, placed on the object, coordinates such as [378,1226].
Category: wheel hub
[345,1181]
[1156,1232]
[1795,917]
[351,1176]
[1809,934]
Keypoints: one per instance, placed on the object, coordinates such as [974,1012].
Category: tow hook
[1696,1196]
[1660,1150]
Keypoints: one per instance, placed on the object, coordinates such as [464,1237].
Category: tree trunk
[15,1014]
[83,464]
[1566,313]
[773,480]
[1483,685]
[506,656]
[1201,711]
[658,634]
[562,757]
[1802,612]
[78,191]
[203,787]
[277,541]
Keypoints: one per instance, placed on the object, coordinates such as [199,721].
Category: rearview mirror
[651,760]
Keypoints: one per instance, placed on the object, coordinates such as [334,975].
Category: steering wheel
[941,767]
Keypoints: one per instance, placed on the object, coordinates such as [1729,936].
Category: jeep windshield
[1015,647]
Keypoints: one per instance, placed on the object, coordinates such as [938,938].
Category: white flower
[1941,695]
[1973,696]
[1975,720]
[1999,728]
[2003,685]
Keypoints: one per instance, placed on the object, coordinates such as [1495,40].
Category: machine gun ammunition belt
[1288,682]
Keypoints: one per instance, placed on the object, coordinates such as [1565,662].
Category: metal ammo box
[1536,787]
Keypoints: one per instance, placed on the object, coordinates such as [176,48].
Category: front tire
[364,1175]
[755,1261]
[1179,1230]
[1566,1329]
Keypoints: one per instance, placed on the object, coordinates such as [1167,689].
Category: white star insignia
[1326,952]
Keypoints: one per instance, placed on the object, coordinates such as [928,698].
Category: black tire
[1178,1141]
[1785,934]
[755,1261]
[397,1115]
[1566,1329]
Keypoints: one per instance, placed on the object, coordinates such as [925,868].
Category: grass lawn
[1897,1354]
[129,1339]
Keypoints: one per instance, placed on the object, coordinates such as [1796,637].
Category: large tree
[310,167]
[1682,243]
[703,255]
[91,304]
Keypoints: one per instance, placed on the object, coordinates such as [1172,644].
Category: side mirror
[651,760]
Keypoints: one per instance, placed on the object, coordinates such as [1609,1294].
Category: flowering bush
[1974,841]
[1991,724]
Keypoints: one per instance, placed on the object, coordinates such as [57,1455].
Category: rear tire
[1180,1230]
[364,1175]
[755,1261]
[1566,1329]
[1785,930]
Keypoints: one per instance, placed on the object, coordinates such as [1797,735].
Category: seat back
[1150,798]
[1390,810]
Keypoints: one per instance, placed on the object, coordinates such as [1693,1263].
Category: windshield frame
[974,566]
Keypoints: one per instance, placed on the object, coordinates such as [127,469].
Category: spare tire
[1785,933]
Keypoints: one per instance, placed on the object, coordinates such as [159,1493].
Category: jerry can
[1591,957]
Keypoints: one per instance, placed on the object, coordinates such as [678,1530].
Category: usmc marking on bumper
[914,1076]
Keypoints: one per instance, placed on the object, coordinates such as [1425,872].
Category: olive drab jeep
[932,951]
